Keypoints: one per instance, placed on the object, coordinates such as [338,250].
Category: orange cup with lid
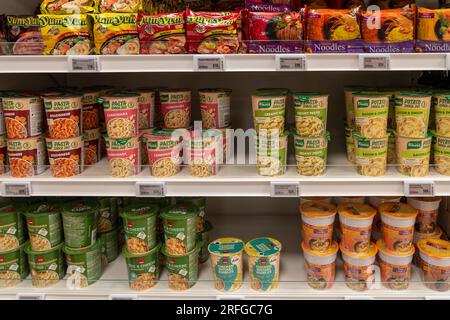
[356,224]
[376,202]
[397,222]
[395,266]
[320,267]
[428,207]
[435,263]
[359,268]
[317,224]
[419,236]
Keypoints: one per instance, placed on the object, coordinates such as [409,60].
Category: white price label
[30,296]
[290,62]
[414,189]
[437,297]
[151,190]
[123,297]
[230,297]
[362,297]
[209,63]
[284,189]
[374,62]
[84,63]
[17,189]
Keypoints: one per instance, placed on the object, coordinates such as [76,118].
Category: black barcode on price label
[151,190]
[368,62]
[17,189]
[211,63]
[30,296]
[84,63]
[291,62]
[284,189]
[423,189]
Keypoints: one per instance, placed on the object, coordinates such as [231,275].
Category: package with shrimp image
[433,30]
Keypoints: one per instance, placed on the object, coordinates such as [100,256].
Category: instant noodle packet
[116,6]
[23,35]
[433,30]
[270,5]
[66,6]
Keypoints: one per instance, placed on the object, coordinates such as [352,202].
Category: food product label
[271,155]
[65,157]
[412,115]
[435,277]
[426,221]
[27,157]
[122,117]
[23,117]
[320,276]
[371,115]
[140,233]
[64,117]
[45,231]
[395,276]
[311,119]
[124,157]
[371,155]
[146,110]
[226,269]
[48,267]
[11,231]
[356,239]
[183,271]
[110,244]
[90,116]
[311,155]
[80,230]
[442,113]
[359,277]
[92,151]
[398,238]
[14,263]
[215,110]
[86,267]
[180,235]
[143,271]
[176,109]
[264,271]
[317,238]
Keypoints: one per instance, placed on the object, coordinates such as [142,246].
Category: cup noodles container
[64,116]
[349,109]
[311,154]
[91,145]
[227,263]
[356,224]
[435,262]
[419,236]
[359,268]
[426,220]
[311,109]
[320,199]
[146,109]
[395,266]
[164,149]
[215,107]
[14,264]
[175,108]
[27,157]
[65,156]
[440,154]
[271,154]
[341,200]
[157,90]
[412,112]
[371,114]
[413,156]
[371,155]
[143,268]
[376,202]
[123,156]
[269,109]
[91,108]
[397,221]
[24,116]
[4,163]
[204,153]
[121,114]
[320,267]
[317,225]
[441,108]
[263,263]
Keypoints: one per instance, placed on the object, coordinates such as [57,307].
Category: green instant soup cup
[47,267]
[143,268]
[84,265]
[12,229]
[80,223]
[13,266]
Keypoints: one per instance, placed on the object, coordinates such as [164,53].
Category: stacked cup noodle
[108,229]
[441,140]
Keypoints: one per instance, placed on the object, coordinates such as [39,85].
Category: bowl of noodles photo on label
[311,154]
[27,157]
[24,116]
[65,156]
[371,114]
[64,116]
[121,114]
[123,156]
[371,155]
[413,155]
[412,112]
[269,109]
[176,108]
[310,113]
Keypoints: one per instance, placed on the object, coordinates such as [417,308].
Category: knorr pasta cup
[269,108]
[376,202]
[182,269]
[311,155]
[395,266]
[215,108]
[121,114]
[398,225]
[13,266]
[12,228]
[203,237]
[271,154]
[263,263]
[146,109]
[123,156]
[435,262]
[65,156]
[47,267]
[428,207]
[441,104]
[80,223]
[164,152]
[203,153]
[180,232]
[176,108]
[359,268]
[143,268]
[310,113]
[317,225]
[349,108]
[371,155]
[27,157]
[24,116]
[350,144]
[412,111]
[441,154]
[320,266]
[91,108]
[413,155]
[139,223]
[84,265]
[371,114]
[356,224]
[64,115]
[227,263]
[91,146]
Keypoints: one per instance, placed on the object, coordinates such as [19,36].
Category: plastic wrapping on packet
[23,35]
[433,30]
[66,6]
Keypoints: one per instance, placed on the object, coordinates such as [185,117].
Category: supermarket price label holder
[374,62]
[150,189]
[84,63]
[416,188]
[17,189]
[31,296]
[290,62]
[123,297]
[284,189]
[210,62]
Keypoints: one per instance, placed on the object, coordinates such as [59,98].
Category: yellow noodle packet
[117,6]
[66,6]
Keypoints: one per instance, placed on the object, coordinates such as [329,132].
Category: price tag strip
[17,189]
[212,62]
[422,188]
[31,296]
[84,63]
[230,297]
[284,189]
[123,297]
[374,62]
[150,189]
[290,62]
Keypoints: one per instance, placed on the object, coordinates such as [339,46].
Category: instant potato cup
[311,110]
[371,155]
[64,115]
[349,108]
[426,220]
[413,155]
[80,223]
[47,267]
[359,268]
[215,107]
[371,114]
[320,267]
[441,154]
[311,154]
[271,154]
[84,265]
[435,263]
[143,268]
[66,156]
[13,267]
[12,228]
[269,109]
[412,111]
[441,108]
[121,114]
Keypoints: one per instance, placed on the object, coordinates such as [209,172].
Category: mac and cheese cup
[27,157]
[164,152]
[441,104]
[180,232]
[320,199]
[371,114]
[24,116]
[320,267]
[271,154]
[175,108]
[139,223]
[419,236]
[146,109]
[65,156]
[124,156]
[435,262]
[143,268]
[227,263]
[441,154]
[80,223]
[311,154]
[356,223]
[350,144]
[200,203]
[215,107]
[13,267]
[263,263]
[203,237]
[109,243]
[182,269]
[397,221]
[426,220]
[412,111]
[84,265]
[395,266]
[12,228]
[376,202]
[310,113]
[47,267]
[269,109]
[359,268]
[121,114]
[64,116]
[413,155]
[371,155]
[317,225]
[107,214]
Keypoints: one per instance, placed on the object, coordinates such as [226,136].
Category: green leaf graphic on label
[226,271]
[264,272]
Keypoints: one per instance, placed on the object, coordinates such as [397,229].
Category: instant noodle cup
[412,111]
[311,154]
[123,156]
[397,221]
[4,163]
[13,267]
[441,154]
[349,108]
[80,223]
[310,113]
[64,116]
[143,268]
[27,157]
[164,149]
[376,202]
[426,220]
[91,146]
[24,116]
[413,155]
[12,228]
[441,107]
[121,114]
[84,265]
[271,154]
[176,108]
[317,225]
[203,237]
[319,199]
[356,224]
[263,263]
[146,109]
[350,145]
[359,268]
[139,223]
[435,263]
[65,156]
[47,267]
[371,155]
[107,214]
[419,236]
[109,242]
[395,266]
[371,114]
[44,226]
[227,263]
[215,107]
[269,109]
[91,108]
[203,153]
[182,269]
[320,267]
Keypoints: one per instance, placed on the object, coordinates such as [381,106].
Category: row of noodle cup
[395,249]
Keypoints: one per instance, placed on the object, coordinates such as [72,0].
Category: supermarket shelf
[292,276]
[232,63]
